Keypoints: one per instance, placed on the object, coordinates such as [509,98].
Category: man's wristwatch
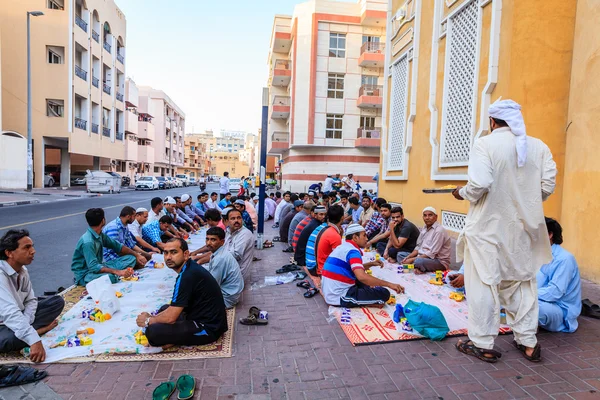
[147,322]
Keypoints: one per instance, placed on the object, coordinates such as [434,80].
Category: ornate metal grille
[453,221]
[397,127]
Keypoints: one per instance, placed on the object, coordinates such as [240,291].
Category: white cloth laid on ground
[505,239]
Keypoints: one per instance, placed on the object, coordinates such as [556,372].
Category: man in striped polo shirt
[318,219]
[345,282]
[323,240]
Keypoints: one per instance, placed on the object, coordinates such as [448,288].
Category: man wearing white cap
[191,210]
[345,282]
[141,217]
[328,185]
[433,246]
[505,241]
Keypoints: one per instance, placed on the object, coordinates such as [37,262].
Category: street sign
[277,169]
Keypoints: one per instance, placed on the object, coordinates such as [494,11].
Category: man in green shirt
[87,263]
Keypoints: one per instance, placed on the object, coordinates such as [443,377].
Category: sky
[210,57]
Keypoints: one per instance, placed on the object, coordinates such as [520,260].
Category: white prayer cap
[169,200]
[185,197]
[141,210]
[510,112]
[354,228]
[433,210]
[320,209]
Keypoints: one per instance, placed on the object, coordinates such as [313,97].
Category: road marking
[66,215]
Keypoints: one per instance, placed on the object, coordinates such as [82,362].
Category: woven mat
[369,325]
[220,349]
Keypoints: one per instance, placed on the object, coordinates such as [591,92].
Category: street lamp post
[29,139]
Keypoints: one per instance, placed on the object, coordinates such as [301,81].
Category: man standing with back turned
[505,240]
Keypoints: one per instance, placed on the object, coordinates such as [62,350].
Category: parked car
[171,181]
[185,180]
[178,182]
[53,171]
[147,183]
[48,180]
[234,185]
[78,178]
[163,183]
[125,181]
[193,182]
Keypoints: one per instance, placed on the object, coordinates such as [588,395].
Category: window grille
[398,107]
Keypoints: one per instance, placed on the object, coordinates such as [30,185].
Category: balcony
[282,73]
[80,72]
[95,128]
[105,131]
[281,107]
[95,81]
[106,88]
[368,137]
[370,96]
[107,46]
[145,153]
[119,134]
[131,149]
[96,36]
[120,58]
[280,141]
[145,130]
[282,38]
[80,123]
[119,96]
[372,55]
[81,23]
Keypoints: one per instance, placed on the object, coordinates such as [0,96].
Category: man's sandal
[253,320]
[536,356]
[15,375]
[468,348]
[311,292]
[304,284]
[288,268]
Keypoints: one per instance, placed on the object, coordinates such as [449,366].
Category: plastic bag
[280,279]
[428,320]
[103,294]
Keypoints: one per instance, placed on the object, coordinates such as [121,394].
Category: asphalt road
[55,228]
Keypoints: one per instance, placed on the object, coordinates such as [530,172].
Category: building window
[335,86]
[369,80]
[56,4]
[55,108]
[398,108]
[460,83]
[370,39]
[367,122]
[54,54]
[337,45]
[334,126]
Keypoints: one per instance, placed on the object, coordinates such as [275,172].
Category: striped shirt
[338,271]
[119,233]
[151,232]
[311,246]
[299,230]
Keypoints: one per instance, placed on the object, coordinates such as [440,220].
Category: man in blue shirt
[118,231]
[225,201]
[559,286]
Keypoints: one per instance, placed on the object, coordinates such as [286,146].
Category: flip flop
[14,375]
[300,276]
[288,250]
[253,320]
[256,259]
[277,239]
[186,384]
[311,292]
[304,284]
[163,391]
[287,268]
[590,309]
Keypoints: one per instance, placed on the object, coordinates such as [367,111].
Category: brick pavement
[299,355]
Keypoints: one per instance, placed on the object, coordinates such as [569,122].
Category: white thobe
[505,240]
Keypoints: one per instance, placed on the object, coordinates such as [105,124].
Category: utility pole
[29,136]
[263,168]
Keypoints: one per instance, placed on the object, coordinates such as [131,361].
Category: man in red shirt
[331,237]
[301,226]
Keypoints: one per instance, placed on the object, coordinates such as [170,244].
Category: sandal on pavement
[470,349]
[287,268]
[14,375]
[163,391]
[253,320]
[277,239]
[254,311]
[311,292]
[300,276]
[536,356]
[288,250]
[590,309]
[256,259]
[186,384]
[304,284]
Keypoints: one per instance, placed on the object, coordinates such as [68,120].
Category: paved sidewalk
[299,355]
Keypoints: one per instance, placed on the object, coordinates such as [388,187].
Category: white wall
[13,161]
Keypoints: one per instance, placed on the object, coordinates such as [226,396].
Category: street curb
[18,203]
[52,194]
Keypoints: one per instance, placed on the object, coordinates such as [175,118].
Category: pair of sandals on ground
[300,276]
[467,347]
[186,385]
[254,317]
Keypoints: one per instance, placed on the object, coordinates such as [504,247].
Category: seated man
[156,209]
[368,211]
[23,317]
[184,204]
[356,209]
[302,218]
[179,227]
[141,217]
[239,241]
[223,267]
[345,282]
[323,240]
[202,205]
[196,315]
[270,206]
[213,218]
[240,205]
[559,286]
[403,237]
[225,201]
[318,218]
[251,210]
[155,233]
[433,246]
[212,202]
[87,263]
[284,226]
[377,228]
[117,230]
[280,206]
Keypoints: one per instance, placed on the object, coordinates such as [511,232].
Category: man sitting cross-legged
[196,315]
[87,263]
[323,240]
[433,246]
[377,228]
[345,282]
[403,237]
[155,232]
[141,217]
[318,216]
[23,318]
[223,267]
[117,230]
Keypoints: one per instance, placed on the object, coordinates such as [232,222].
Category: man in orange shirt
[331,237]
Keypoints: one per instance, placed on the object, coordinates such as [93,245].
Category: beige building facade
[78,56]
[196,161]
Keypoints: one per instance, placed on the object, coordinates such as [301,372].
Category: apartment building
[447,61]
[196,161]
[326,90]
[168,121]
[139,136]
[78,56]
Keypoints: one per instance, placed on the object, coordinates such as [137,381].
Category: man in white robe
[505,240]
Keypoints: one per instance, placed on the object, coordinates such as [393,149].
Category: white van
[184,178]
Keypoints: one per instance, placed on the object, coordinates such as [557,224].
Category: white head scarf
[509,111]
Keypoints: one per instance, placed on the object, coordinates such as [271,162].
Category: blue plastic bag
[426,319]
